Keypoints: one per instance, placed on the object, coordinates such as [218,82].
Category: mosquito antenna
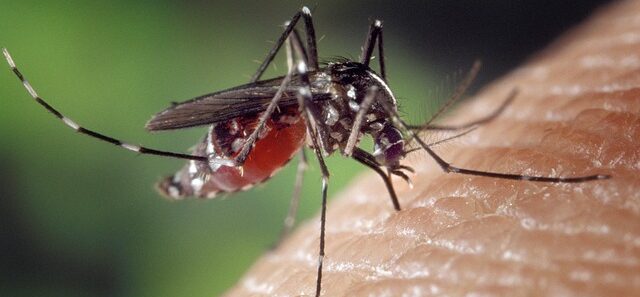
[448,168]
[490,117]
[441,141]
[458,92]
[73,125]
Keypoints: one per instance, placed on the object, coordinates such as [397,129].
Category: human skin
[577,113]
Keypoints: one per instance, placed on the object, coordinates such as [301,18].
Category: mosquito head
[388,145]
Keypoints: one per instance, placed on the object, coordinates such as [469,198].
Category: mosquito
[257,128]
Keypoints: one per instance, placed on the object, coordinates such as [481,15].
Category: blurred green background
[80,218]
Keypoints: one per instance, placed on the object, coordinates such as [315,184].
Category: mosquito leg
[239,160]
[370,42]
[251,140]
[497,112]
[310,116]
[375,34]
[73,125]
[272,53]
[317,149]
[312,49]
[305,99]
[357,122]
[305,13]
[290,220]
[314,116]
[323,211]
[296,45]
[323,215]
[315,132]
[447,167]
[383,70]
[297,190]
[368,160]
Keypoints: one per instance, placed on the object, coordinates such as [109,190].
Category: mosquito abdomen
[284,135]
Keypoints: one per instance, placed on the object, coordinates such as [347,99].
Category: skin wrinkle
[578,113]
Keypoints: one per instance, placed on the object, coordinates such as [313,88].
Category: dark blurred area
[80,218]
[502,34]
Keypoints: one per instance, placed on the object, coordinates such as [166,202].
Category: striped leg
[375,34]
[73,125]
[294,45]
[448,168]
[311,56]
[290,219]
[311,50]
[317,134]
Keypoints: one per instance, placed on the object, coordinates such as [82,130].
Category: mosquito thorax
[350,83]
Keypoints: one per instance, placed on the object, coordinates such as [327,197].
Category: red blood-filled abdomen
[284,135]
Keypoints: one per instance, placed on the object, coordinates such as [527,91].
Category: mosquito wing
[245,100]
